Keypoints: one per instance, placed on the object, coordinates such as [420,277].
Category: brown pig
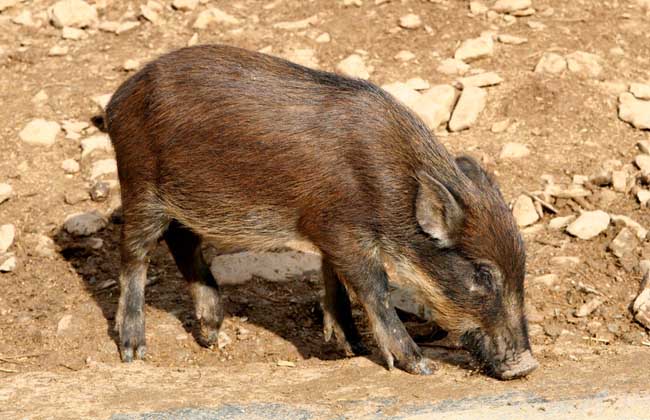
[252,152]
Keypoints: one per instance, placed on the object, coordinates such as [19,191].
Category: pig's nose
[524,365]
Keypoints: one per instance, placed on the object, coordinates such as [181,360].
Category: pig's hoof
[128,353]
[423,366]
[207,337]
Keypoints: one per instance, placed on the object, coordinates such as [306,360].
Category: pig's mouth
[504,363]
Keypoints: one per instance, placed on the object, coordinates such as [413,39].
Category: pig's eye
[484,276]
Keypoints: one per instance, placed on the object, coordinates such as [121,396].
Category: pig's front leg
[370,283]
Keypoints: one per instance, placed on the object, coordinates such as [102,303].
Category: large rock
[589,225]
[471,103]
[475,48]
[509,6]
[354,66]
[40,132]
[524,211]
[7,234]
[74,14]
[585,64]
[551,63]
[435,105]
[84,224]
[273,266]
[634,111]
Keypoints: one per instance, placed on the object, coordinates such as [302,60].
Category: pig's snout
[522,365]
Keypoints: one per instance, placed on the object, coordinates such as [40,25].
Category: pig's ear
[475,172]
[437,211]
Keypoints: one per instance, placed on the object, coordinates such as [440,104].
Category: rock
[572,191]
[40,132]
[589,225]
[75,127]
[6,191]
[624,243]
[6,4]
[641,305]
[477,8]
[214,15]
[74,14]
[589,307]
[634,111]
[536,26]
[524,211]
[194,39]
[640,91]
[40,97]
[223,340]
[511,39]
[559,223]
[402,93]
[585,64]
[548,280]
[74,34]
[40,245]
[563,260]
[7,234]
[471,103]
[475,48]
[644,146]
[435,105]
[99,191]
[639,230]
[185,5]
[102,100]
[613,87]
[643,162]
[643,196]
[417,83]
[323,38]
[150,11]
[75,196]
[480,80]
[514,151]
[97,142]
[273,266]
[130,65]
[508,6]
[8,262]
[452,66]
[64,325]
[103,167]
[84,224]
[354,66]
[297,24]
[500,126]
[524,12]
[24,19]
[58,51]
[410,21]
[404,56]
[303,56]
[606,198]
[551,63]
[619,181]
[70,166]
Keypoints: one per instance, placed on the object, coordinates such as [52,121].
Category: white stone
[548,280]
[41,245]
[471,103]
[96,142]
[6,191]
[475,48]
[297,24]
[624,243]
[435,105]
[402,93]
[452,66]
[589,225]
[514,151]
[185,4]
[643,162]
[74,34]
[410,21]
[551,63]
[508,6]
[40,132]
[500,126]
[480,80]
[70,166]
[103,167]
[477,8]
[73,13]
[130,65]
[354,66]
[565,260]
[323,38]
[7,234]
[58,51]
[404,56]
[619,181]
[511,39]
[102,100]
[150,11]
[589,307]
[643,196]
[639,230]
[644,146]
[585,64]
[274,266]
[641,305]
[64,324]
[8,263]
[6,4]
[634,111]
[194,39]
[559,223]
[84,224]
[214,15]
[418,83]
[524,211]
[640,91]
[303,56]
[536,26]
[24,19]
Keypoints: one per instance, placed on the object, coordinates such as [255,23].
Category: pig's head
[474,259]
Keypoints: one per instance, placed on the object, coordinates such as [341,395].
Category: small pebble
[524,211]
[452,66]
[40,132]
[70,166]
[7,234]
[514,151]
[354,66]
[410,21]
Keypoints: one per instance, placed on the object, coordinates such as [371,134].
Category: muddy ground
[568,122]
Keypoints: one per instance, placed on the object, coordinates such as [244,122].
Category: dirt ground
[568,122]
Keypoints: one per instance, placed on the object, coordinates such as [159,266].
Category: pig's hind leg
[337,314]
[185,247]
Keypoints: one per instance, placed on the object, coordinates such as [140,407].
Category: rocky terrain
[551,96]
